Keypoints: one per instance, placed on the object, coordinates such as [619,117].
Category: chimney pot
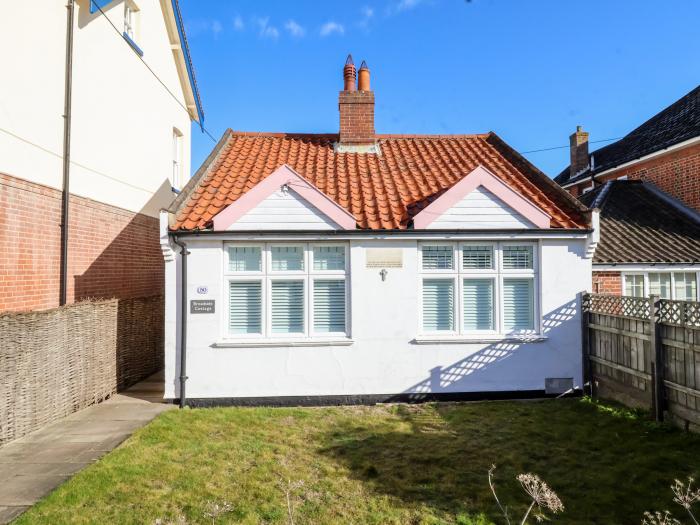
[578,149]
[363,77]
[349,75]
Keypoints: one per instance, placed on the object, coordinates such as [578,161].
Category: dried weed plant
[543,498]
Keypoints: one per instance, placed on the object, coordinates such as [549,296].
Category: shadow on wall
[131,267]
[496,366]
[130,264]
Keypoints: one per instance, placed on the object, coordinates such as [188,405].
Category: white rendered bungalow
[356,267]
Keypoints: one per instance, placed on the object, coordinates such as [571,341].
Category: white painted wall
[383,359]
[122,116]
[284,211]
[480,209]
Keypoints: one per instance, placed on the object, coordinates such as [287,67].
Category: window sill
[461,339]
[133,45]
[273,343]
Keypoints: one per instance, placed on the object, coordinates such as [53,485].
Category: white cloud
[202,26]
[294,29]
[330,28]
[216,28]
[238,24]
[367,13]
[405,5]
[266,30]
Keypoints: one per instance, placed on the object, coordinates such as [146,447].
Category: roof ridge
[426,136]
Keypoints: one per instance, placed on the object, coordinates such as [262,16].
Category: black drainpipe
[65,196]
[183,320]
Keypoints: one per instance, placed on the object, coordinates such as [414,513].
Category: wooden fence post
[586,346]
[657,362]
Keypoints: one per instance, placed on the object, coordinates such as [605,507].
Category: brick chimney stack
[356,107]
[578,146]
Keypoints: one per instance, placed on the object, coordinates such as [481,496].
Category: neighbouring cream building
[134,98]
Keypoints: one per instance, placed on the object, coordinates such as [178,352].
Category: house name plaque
[202,306]
[384,258]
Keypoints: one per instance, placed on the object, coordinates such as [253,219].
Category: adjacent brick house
[643,225]
[129,147]
[665,150]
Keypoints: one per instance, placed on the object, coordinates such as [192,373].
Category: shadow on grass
[606,468]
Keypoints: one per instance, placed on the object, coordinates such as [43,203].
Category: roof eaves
[200,174]
[541,177]
[188,60]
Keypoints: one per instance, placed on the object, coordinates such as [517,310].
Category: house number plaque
[202,306]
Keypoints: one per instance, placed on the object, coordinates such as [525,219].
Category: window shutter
[244,259]
[438,305]
[437,257]
[245,307]
[329,306]
[517,257]
[329,258]
[477,257]
[478,304]
[518,304]
[287,258]
[287,307]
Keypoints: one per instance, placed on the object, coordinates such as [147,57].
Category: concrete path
[36,464]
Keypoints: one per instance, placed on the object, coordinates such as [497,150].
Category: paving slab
[33,466]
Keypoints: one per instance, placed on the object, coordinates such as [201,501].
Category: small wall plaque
[202,290]
[384,258]
[202,306]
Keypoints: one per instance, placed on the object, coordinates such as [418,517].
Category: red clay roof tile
[382,191]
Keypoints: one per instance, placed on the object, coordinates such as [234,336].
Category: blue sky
[528,70]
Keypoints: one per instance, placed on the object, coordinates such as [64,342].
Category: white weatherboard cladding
[284,211]
[480,209]
[383,321]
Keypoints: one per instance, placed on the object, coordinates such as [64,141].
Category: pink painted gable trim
[481,177]
[266,187]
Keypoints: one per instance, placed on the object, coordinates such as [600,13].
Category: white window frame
[673,272]
[177,156]
[131,20]
[497,274]
[267,276]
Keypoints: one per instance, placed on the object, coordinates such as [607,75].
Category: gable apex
[286,179]
[478,178]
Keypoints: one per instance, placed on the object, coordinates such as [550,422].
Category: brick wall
[607,282]
[356,117]
[676,173]
[112,252]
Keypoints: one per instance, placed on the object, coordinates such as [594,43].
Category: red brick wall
[356,117]
[607,282]
[676,173]
[112,252]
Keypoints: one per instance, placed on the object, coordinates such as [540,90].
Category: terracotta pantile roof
[382,191]
[677,123]
[638,224]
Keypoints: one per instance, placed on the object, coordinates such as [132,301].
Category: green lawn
[401,464]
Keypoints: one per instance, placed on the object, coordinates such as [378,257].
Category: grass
[390,464]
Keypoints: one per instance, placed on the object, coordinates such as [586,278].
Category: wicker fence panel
[54,362]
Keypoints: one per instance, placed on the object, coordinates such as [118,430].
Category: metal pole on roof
[65,196]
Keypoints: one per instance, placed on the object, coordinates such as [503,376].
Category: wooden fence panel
[637,347]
